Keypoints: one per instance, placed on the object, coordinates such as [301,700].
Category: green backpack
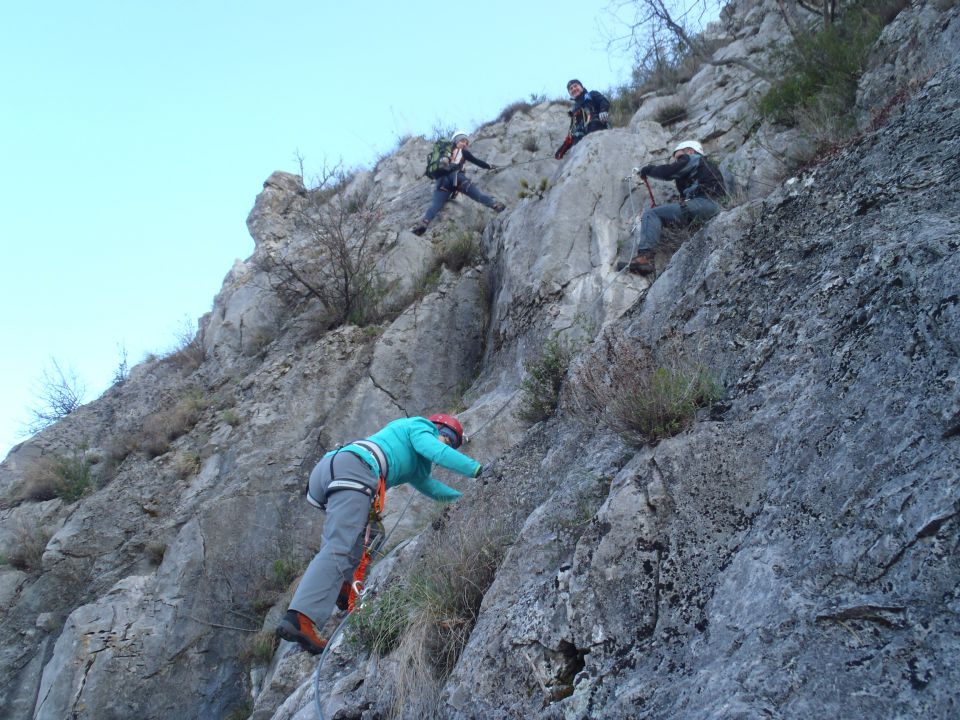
[438,159]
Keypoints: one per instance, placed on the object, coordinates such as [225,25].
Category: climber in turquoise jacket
[412,446]
[344,484]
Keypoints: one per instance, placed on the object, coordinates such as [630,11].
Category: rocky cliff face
[792,553]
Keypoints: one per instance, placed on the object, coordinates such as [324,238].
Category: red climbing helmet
[451,422]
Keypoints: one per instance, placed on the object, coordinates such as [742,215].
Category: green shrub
[456,251]
[241,712]
[540,388]
[641,395]
[670,113]
[377,625]
[448,588]
[74,477]
[533,191]
[30,543]
[259,649]
[425,284]
[660,69]
[187,463]
[188,352]
[424,620]
[460,250]
[512,109]
[231,418]
[68,477]
[163,427]
[624,102]
[823,69]
[285,570]
[666,401]
[432,613]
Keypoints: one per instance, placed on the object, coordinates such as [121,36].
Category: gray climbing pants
[341,544]
[653,219]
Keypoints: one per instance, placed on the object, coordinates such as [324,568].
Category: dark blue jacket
[694,175]
[586,108]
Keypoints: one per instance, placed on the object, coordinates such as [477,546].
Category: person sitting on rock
[591,112]
[344,484]
[455,180]
[701,187]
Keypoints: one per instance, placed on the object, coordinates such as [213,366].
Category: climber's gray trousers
[341,544]
[653,219]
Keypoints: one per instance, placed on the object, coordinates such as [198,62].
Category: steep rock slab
[781,561]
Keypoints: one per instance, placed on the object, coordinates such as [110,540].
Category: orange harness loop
[376,511]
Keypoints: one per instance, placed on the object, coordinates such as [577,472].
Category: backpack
[438,159]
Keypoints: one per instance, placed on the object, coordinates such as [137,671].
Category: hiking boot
[498,207]
[298,628]
[641,263]
[419,229]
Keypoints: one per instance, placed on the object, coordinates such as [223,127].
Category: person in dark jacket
[344,484]
[700,185]
[591,112]
[455,180]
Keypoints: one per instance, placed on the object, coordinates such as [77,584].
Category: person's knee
[703,209]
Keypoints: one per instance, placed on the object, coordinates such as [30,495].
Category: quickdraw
[653,203]
[372,540]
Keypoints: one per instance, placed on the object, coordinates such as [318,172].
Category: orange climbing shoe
[298,628]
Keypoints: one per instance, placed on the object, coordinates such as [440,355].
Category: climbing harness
[373,539]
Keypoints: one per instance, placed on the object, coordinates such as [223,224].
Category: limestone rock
[793,546]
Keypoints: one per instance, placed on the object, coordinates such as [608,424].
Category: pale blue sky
[134,137]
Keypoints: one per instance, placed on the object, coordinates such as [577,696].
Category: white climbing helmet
[692,144]
[460,134]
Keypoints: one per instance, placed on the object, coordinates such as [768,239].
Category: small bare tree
[122,372]
[338,268]
[660,34]
[59,393]
[827,9]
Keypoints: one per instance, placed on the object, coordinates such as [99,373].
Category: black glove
[483,470]
[644,171]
